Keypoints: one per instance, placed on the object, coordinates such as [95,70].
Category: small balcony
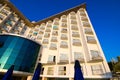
[64,25]
[76,42]
[63,45]
[64,37]
[64,16]
[1,17]
[47,35]
[53,46]
[42,27]
[82,14]
[54,39]
[41,32]
[75,34]
[86,24]
[91,39]
[7,8]
[56,23]
[55,27]
[49,26]
[73,17]
[39,37]
[74,27]
[55,33]
[45,41]
[48,30]
[73,22]
[88,31]
[84,19]
[64,30]
[64,20]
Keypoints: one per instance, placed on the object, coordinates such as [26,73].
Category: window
[54,39]
[48,30]
[97,69]
[95,54]
[64,30]
[74,27]
[76,42]
[55,33]
[41,32]
[64,44]
[63,57]
[55,27]
[78,56]
[51,59]
[73,22]
[64,25]
[75,34]
[64,37]
[39,37]
[35,33]
[1,17]
[53,46]
[56,23]
[86,24]
[62,70]
[91,39]
[88,31]
[45,41]
[47,35]
[50,71]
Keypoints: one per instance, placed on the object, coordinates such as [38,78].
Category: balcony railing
[64,37]
[91,39]
[55,33]
[45,41]
[64,30]
[53,46]
[86,24]
[54,39]
[48,30]
[64,25]
[74,27]
[76,42]
[63,45]
[75,34]
[84,19]
[88,31]
[47,35]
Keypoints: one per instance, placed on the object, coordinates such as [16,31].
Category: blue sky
[104,15]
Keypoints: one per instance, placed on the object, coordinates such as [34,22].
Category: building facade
[65,37]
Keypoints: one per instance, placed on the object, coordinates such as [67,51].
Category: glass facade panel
[18,51]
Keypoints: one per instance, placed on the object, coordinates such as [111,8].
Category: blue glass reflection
[18,51]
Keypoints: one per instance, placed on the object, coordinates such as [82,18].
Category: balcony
[76,42]
[88,31]
[4,12]
[48,30]
[86,24]
[49,26]
[84,18]
[73,17]
[64,30]
[45,41]
[42,27]
[72,13]
[63,44]
[47,35]
[64,25]
[1,17]
[50,71]
[53,46]
[51,59]
[91,39]
[39,37]
[75,34]
[73,22]
[56,23]
[55,27]
[64,16]
[82,14]
[95,56]
[56,19]
[54,39]
[55,33]
[7,8]
[64,20]
[74,27]
[41,32]
[35,33]
[64,37]
[63,59]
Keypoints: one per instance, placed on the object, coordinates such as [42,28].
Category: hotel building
[56,42]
